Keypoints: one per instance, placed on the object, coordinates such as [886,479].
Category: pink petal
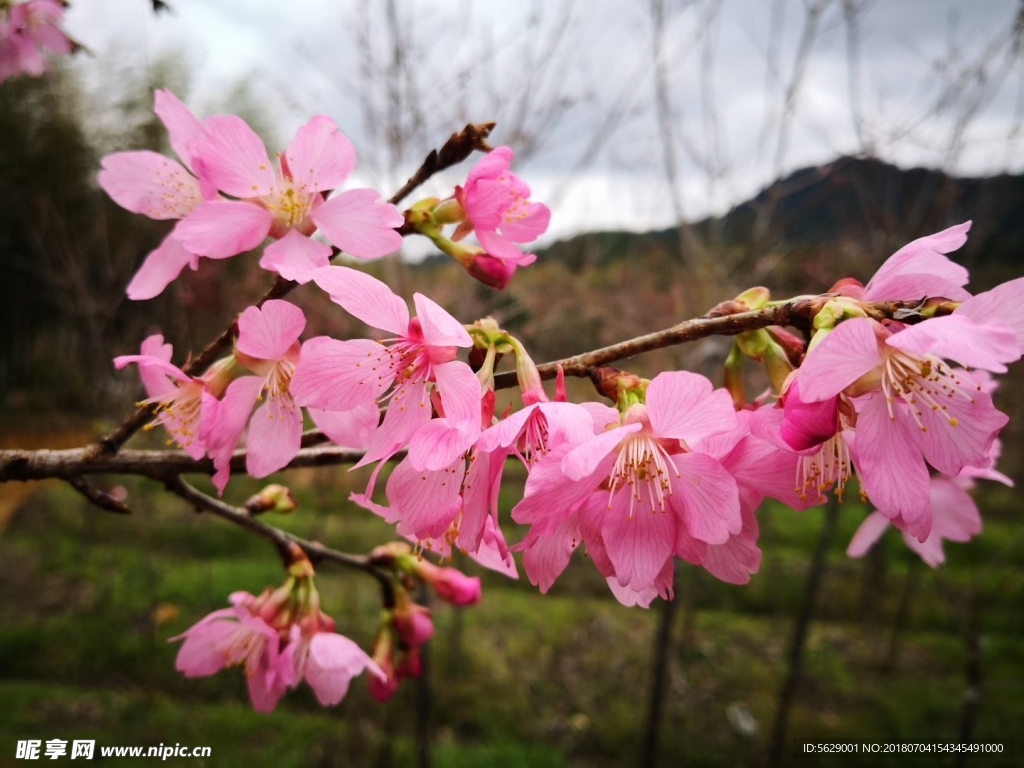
[950,448]
[408,410]
[296,257]
[426,502]
[870,531]
[920,257]
[915,287]
[707,496]
[360,223]
[232,157]
[583,460]
[223,228]
[929,550]
[638,543]
[1004,304]
[460,394]
[341,375]
[151,184]
[365,297]
[275,436]
[807,424]
[440,329]
[891,468]
[182,126]
[502,248]
[320,157]
[228,421]
[734,561]
[842,357]
[960,338]
[492,165]
[548,552]
[161,267]
[268,332]
[549,493]
[349,429]
[531,226]
[955,516]
[489,553]
[566,422]
[440,442]
[761,466]
[332,663]
[683,406]
[506,432]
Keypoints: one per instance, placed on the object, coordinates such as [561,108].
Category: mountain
[856,205]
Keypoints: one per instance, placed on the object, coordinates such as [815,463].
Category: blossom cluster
[674,468]
[29,30]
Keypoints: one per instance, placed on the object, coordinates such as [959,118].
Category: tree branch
[283,541]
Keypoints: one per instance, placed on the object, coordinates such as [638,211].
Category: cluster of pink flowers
[29,30]
[282,638]
[675,469]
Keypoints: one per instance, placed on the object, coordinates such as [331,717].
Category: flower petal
[960,338]
[584,459]
[348,429]
[684,406]
[148,183]
[360,223]
[842,357]
[269,331]
[867,534]
[638,543]
[183,128]
[707,496]
[222,228]
[275,436]
[296,257]
[320,157]
[341,375]
[1004,304]
[440,329]
[365,297]
[232,157]
[161,267]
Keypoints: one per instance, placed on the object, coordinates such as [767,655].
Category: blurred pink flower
[27,30]
[326,660]
[237,636]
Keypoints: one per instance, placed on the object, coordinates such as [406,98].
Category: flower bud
[273,498]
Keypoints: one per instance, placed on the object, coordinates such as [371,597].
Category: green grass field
[88,601]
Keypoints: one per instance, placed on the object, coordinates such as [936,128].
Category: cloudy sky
[748,89]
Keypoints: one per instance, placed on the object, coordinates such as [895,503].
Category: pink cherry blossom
[177,396]
[339,375]
[268,345]
[499,211]
[27,31]
[911,407]
[237,636]
[285,202]
[148,183]
[451,584]
[633,488]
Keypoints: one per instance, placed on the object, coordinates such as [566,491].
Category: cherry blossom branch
[284,542]
[99,497]
[69,463]
[459,146]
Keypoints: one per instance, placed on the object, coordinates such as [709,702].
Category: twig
[100,498]
[280,539]
[459,146]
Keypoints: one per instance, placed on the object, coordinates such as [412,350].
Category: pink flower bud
[457,588]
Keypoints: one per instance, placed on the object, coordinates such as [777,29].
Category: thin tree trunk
[656,696]
[795,656]
[892,656]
